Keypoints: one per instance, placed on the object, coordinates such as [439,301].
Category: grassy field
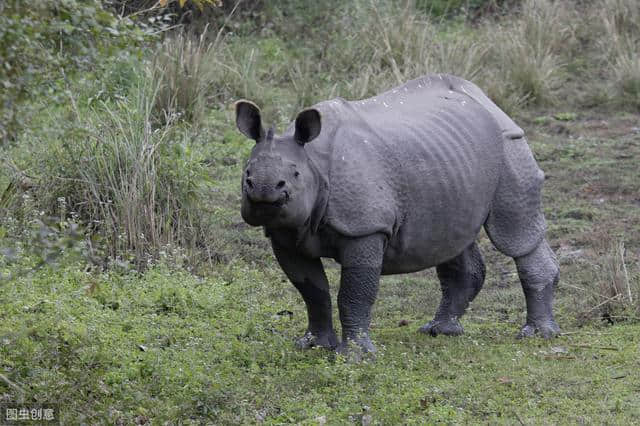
[153,303]
[171,346]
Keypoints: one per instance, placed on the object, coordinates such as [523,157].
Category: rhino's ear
[307,126]
[248,120]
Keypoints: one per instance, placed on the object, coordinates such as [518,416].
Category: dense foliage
[41,41]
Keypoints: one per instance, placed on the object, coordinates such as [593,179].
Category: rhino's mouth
[265,208]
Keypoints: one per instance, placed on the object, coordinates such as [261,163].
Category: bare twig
[628,317]
[580,288]
[624,270]
[11,384]
[581,345]
[559,357]
[22,180]
[596,333]
[610,299]
[225,22]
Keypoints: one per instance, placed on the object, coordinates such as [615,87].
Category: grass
[147,160]
[622,33]
[170,346]
[184,74]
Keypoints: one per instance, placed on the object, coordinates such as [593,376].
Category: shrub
[136,186]
[38,38]
[27,245]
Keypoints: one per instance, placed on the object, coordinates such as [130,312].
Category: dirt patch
[591,127]
[608,128]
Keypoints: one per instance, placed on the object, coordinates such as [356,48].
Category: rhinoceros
[393,184]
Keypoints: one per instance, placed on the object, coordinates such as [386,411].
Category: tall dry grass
[528,54]
[136,185]
[524,58]
[381,44]
[518,61]
[184,72]
[620,46]
[614,295]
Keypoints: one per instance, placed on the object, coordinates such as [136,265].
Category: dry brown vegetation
[544,52]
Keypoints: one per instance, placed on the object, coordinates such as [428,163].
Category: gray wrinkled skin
[398,183]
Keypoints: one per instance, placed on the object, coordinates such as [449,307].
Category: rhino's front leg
[308,276]
[361,266]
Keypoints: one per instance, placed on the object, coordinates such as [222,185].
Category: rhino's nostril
[249,182]
[280,184]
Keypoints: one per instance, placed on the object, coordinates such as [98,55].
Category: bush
[136,186]
[39,38]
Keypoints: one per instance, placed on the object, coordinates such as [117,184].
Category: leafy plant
[37,39]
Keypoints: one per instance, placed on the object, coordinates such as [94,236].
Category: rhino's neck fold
[316,217]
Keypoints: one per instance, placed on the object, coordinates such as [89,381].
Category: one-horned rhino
[397,183]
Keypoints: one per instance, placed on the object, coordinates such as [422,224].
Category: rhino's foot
[356,349]
[545,329]
[327,340]
[448,327]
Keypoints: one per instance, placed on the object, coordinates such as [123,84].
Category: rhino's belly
[438,224]
[418,247]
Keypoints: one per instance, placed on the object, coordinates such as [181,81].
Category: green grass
[177,348]
[174,347]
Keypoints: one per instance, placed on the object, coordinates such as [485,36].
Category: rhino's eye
[296,174]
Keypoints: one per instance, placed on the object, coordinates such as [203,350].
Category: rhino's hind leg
[538,272]
[517,228]
[461,279]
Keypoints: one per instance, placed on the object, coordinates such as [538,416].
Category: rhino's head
[279,183]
